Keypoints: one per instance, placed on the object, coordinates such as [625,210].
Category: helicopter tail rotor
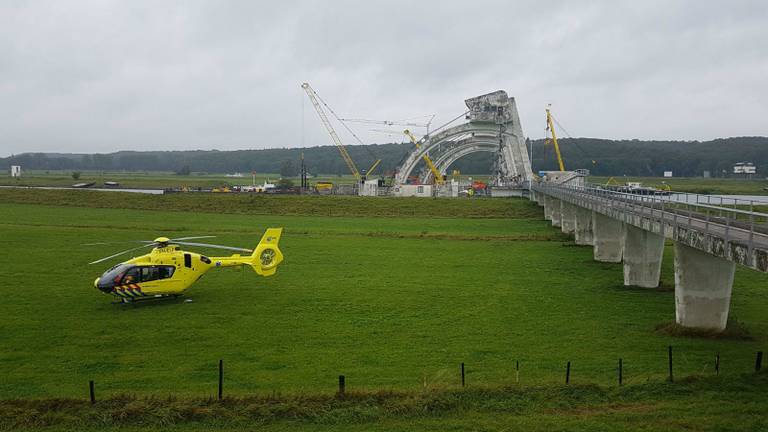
[267,256]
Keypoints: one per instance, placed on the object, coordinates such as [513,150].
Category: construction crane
[551,128]
[435,173]
[392,123]
[315,99]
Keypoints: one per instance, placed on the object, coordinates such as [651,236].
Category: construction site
[490,124]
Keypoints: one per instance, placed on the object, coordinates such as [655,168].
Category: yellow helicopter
[167,270]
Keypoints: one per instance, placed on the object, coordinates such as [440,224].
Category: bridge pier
[583,226]
[567,217]
[608,238]
[547,202]
[557,212]
[643,251]
[703,285]
[534,196]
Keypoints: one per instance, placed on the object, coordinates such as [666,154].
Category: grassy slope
[391,303]
[735,403]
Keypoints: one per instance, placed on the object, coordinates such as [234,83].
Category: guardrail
[734,219]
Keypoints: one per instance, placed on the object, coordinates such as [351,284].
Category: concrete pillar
[547,200]
[583,226]
[556,212]
[643,251]
[608,238]
[703,285]
[567,217]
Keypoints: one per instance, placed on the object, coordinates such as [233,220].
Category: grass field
[169,180]
[394,298]
[700,185]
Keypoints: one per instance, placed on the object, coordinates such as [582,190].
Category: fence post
[92,392]
[759,361]
[717,364]
[462,374]
[669,351]
[621,375]
[342,385]
[221,378]
[568,373]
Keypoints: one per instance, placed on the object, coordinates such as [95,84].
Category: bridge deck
[738,234]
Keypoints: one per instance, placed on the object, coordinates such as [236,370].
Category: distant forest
[600,156]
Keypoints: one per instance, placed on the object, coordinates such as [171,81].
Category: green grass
[700,185]
[393,303]
[281,205]
[735,403]
[169,180]
[152,179]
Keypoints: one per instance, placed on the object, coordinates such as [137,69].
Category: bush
[76,175]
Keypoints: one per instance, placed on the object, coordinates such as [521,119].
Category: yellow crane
[314,98]
[551,128]
[435,173]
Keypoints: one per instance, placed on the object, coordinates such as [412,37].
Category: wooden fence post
[221,379]
[669,355]
[621,375]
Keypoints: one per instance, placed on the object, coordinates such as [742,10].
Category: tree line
[600,156]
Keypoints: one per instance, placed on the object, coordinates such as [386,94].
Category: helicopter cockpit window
[166,271]
[131,275]
[115,274]
[151,273]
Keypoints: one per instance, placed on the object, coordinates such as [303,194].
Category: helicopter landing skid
[127,301]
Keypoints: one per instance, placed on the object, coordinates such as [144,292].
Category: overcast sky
[101,76]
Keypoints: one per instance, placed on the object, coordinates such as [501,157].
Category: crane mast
[551,128]
[334,136]
[435,173]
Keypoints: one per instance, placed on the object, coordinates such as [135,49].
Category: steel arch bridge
[493,127]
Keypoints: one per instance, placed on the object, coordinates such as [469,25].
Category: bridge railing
[736,219]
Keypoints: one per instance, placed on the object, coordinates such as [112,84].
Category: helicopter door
[187,260]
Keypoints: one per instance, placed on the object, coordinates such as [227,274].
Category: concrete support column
[547,201]
[703,285]
[556,212]
[608,238]
[567,217]
[643,251]
[583,226]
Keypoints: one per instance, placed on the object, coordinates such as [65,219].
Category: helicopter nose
[104,287]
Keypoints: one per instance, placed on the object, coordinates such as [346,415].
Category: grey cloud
[108,75]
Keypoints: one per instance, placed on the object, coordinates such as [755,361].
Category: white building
[744,168]
[15,170]
[408,190]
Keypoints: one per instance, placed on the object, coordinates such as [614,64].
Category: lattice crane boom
[551,128]
[332,132]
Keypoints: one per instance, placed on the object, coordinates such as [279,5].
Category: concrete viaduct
[710,239]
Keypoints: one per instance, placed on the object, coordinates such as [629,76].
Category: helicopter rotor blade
[215,246]
[191,238]
[121,253]
[117,242]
